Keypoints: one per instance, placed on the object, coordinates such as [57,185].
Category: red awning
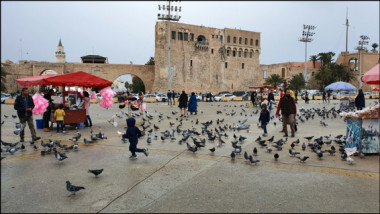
[376,89]
[33,81]
[372,77]
[78,78]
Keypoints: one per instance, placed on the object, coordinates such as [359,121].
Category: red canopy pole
[63,94]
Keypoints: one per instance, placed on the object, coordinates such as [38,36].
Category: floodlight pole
[362,42]
[305,38]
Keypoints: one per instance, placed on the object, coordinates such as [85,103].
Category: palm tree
[330,56]
[324,58]
[274,80]
[3,79]
[314,58]
[374,46]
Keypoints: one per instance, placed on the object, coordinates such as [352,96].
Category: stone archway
[119,83]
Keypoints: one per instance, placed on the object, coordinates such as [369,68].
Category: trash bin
[39,124]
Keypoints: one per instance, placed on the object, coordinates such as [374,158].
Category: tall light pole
[363,41]
[306,34]
[167,14]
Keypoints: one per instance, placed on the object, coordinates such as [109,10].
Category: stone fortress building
[204,59]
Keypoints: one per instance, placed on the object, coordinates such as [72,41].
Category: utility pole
[168,9]
[21,48]
[347,30]
[306,34]
[361,47]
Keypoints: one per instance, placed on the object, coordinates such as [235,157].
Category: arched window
[245,53]
[257,42]
[234,52]
[251,54]
[240,50]
[246,41]
[228,51]
[251,42]
[228,39]
[235,39]
[239,40]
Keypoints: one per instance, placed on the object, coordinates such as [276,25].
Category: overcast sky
[124,31]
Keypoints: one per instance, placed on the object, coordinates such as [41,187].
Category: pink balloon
[143,107]
[93,95]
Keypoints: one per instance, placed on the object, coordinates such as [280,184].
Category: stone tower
[60,54]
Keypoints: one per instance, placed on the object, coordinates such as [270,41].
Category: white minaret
[60,54]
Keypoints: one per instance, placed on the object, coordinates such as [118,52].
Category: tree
[150,62]
[274,80]
[374,46]
[333,73]
[314,58]
[127,85]
[3,79]
[297,82]
[137,85]
[326,58]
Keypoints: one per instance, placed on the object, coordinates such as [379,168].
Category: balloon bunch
[107,95]
[143,107]
[40,104]
[93,95]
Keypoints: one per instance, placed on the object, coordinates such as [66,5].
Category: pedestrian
[59,115]
[281,93]
[264,118]
[24,105]
[183,98]
[210,96]
[324,96]
[288,110]
[192,105]
[270,99]
[253,98]
[87,103]
[169,94]
[328,95]
[133,133]
[47,113]
[173,97]
[296,95]
[359,100]
[140,102]
[306,97]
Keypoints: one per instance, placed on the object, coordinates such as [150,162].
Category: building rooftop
[93,56]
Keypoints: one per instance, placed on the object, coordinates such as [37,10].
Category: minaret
[60,54]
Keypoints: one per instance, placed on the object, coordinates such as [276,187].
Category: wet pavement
[173,179]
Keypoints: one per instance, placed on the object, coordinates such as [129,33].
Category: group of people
[187,105]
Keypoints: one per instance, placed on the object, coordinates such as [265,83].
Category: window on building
[312,73]
[180,36]
[283,72]
[239,53]
[221,38]
[245,54]
[226,64]
[212,36]
[246,41]
[251,42]
[234,40]
[228,39]
[265,74]
[242,65]
[212,51]
[233,53]
[185,36]
[250,54]
[216,36]
[239,40]
[191,63]
[228,52]
[191,37]
[173,34]
[257,42]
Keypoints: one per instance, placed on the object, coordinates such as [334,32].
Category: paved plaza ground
[173,179]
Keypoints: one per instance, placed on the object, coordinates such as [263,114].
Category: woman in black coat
[183,103]
[359,100]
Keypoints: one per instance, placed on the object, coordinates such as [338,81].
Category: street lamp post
[167,15]
[361,47]
[306,34]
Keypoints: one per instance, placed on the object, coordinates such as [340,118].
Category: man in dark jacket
[47,113]
[24,105]
[288,110]
[324,97]
[253,98]
[183,99]
[270,99]
[359,100]
[169,94]
[133,133]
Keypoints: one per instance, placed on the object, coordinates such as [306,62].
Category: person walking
[87,103]
[133,133]
[47,113]
[296,95]
[169,94]
[253,98]
[306,97]
[264,118]
[281,93]
[360,100]
[24,105]
[173,96]
[328,95]
[192,104]
[183,98]
[324,97]
[270,99]
[288,110]
[59,115]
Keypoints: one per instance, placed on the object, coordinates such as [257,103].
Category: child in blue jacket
[264,118]
[133,133]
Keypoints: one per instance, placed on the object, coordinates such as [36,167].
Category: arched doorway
[353,64]
[44,88]
[128,82]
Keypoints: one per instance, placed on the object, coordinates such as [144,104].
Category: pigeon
[22,147]
[258,139]
[292,145]
[87,141]
[246,156]
[303,146]
[350,160]
[339,136]
[344,156]
[13,150]
[72,189]
[241,138]
[148,140]
[212,149]
[232,155]
[238,149]
[276,156]
[252,160]
[96,172]
[361,155]
[254,151]
[269,150]
[278,147]
[293,153]
[330,151]
[303,158]
[271,139]
[296,142]
[5,116]
[59,155]
[320,154]
[309,138]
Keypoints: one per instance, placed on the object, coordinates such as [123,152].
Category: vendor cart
[263,92]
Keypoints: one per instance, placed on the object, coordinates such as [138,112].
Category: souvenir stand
[263,92]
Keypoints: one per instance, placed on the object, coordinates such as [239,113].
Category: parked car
[238,93]
[368,95]
[219,98]
[199,97]
[161,98]
[148,96]
[4,97]
[223,92]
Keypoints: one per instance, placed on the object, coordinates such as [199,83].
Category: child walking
[59,115]
[133,133]
[264,118]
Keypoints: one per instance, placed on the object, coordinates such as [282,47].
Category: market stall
[263,92]
[346,103]
[67,81]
